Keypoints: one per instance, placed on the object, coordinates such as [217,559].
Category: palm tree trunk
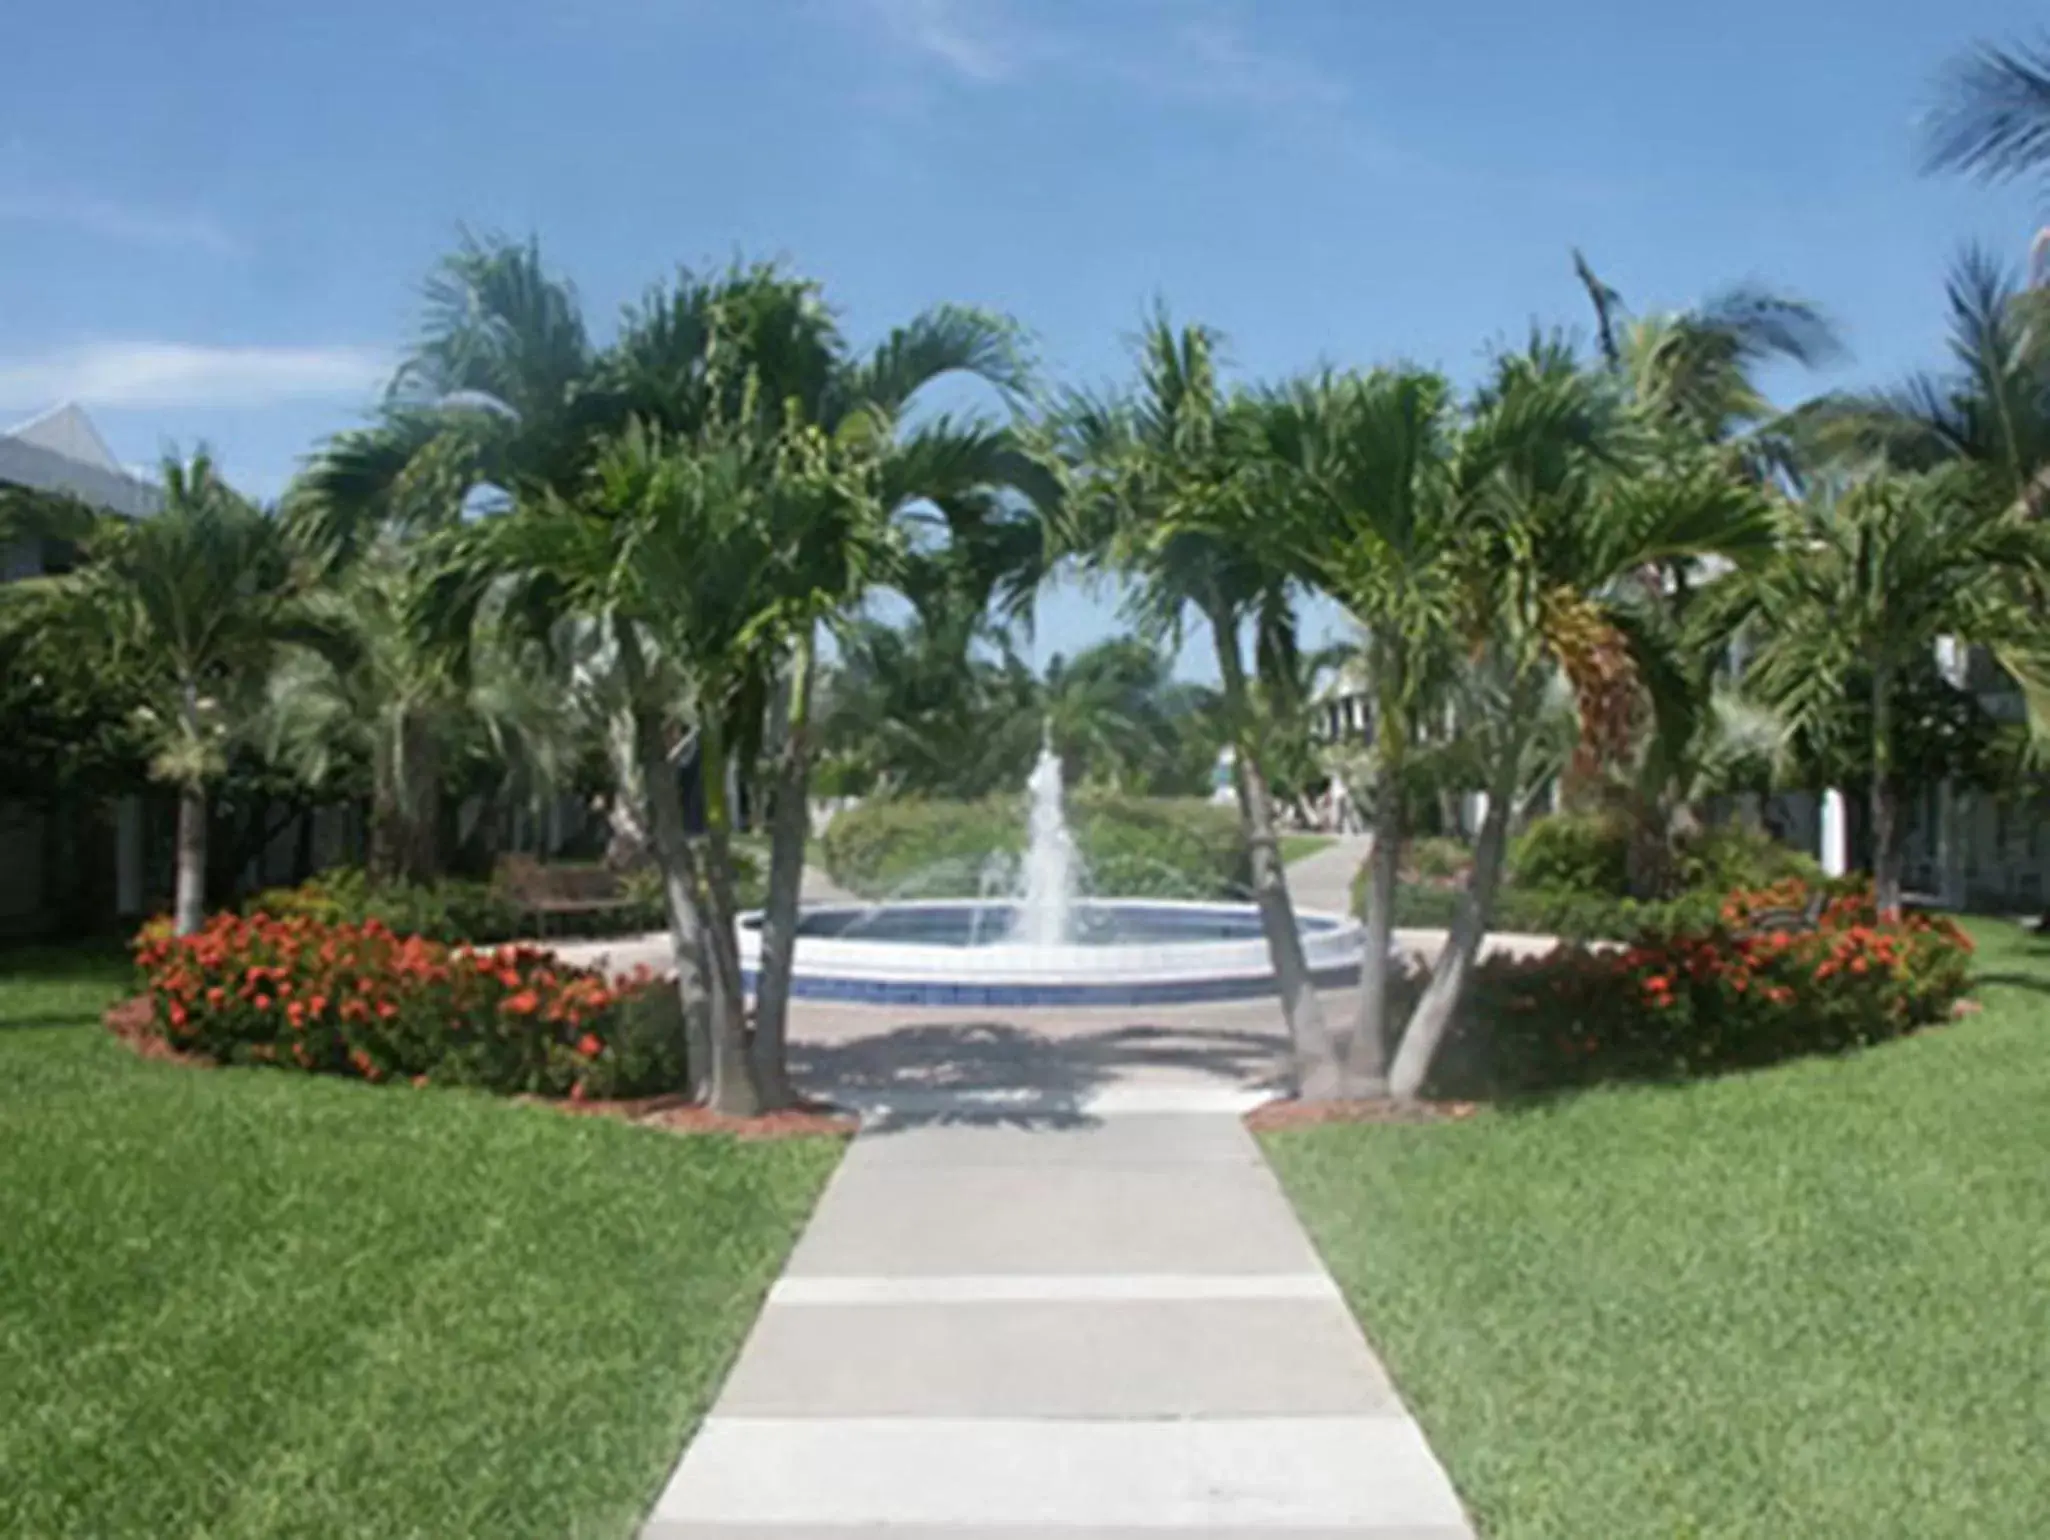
[789,826]
[1315,1068]
[1433,1015]
[189,908]
[1886,845]
[1366,1069]
[732,1090]
[673,859]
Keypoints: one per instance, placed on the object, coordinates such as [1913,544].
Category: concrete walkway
[1323,880]
[1057,1321]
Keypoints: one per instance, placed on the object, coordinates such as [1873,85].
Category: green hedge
[1566,877]
[1142,847]
[453,911]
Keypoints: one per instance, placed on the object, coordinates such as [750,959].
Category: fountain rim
[1023,974]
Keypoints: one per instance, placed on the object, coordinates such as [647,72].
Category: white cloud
[1210,58]
[1199,54]
[180,374]
[974,39]
[133,223]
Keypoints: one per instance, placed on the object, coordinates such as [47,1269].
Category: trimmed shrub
[1572,853]
[1566,877]
[1438,858]
[452,910]
[362,1001]
[1706,997]
[1130,846]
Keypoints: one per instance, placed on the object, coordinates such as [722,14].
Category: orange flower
[589,1045]
[525,1003]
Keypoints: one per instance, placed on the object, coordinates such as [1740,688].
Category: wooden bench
[540,890]
[1807,917]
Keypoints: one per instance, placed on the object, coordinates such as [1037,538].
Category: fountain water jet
[1046,911]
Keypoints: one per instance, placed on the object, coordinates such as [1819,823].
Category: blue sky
[214,217]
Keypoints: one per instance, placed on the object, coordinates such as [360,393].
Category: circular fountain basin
[1123,951]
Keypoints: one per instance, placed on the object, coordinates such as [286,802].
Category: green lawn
[1810,1301]
[1295,847]
[242,1303]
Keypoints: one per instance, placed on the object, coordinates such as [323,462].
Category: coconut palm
[1165,494]
[1870,577]
[202,594]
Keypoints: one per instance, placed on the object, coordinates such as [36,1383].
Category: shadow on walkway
[995,1071]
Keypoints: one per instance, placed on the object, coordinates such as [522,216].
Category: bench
[1807,917]
[537,889]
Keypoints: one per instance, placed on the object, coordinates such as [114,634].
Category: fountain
[1046,912]
[1043,944]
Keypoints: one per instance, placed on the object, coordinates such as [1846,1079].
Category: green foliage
[342,999]
[1438,858]
[1573,853]
[449,911]
[1725,857]
[452,910]
[1568,874]
[1130,846]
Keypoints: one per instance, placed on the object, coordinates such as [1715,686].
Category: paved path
[1323,880]
[1071,1318]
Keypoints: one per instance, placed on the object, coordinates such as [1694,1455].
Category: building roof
[61,451]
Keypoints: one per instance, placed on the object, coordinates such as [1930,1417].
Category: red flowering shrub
[1701,999]
[361,1000]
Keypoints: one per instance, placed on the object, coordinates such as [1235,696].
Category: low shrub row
[1130,846]
[1568,876]
[454,910]
[1706,998]
[361,1000]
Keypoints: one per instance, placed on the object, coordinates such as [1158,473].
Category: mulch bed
[1277,1116]
[131,1021]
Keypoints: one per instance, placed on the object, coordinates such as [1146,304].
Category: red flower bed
[1691,1001]
[360,1000]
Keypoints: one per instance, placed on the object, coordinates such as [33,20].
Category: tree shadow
[997,1072]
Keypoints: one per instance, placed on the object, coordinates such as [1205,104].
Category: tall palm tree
[1164,492]
[1569,510]
[1366,493]
[203,593]
[507,373]
[1869,578]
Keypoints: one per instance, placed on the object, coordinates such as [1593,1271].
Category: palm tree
[1994,117]
[1367,494]
[1119,719]
[1869,578]
[1568,510]
[507,374]
[202,594]
[1165,493]
[1991,410]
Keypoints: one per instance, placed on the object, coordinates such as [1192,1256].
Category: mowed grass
[1298,847]
[1811,1301]
[243,1303]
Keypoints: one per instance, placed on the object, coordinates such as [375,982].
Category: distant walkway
[1324,880]
[1089,1324]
